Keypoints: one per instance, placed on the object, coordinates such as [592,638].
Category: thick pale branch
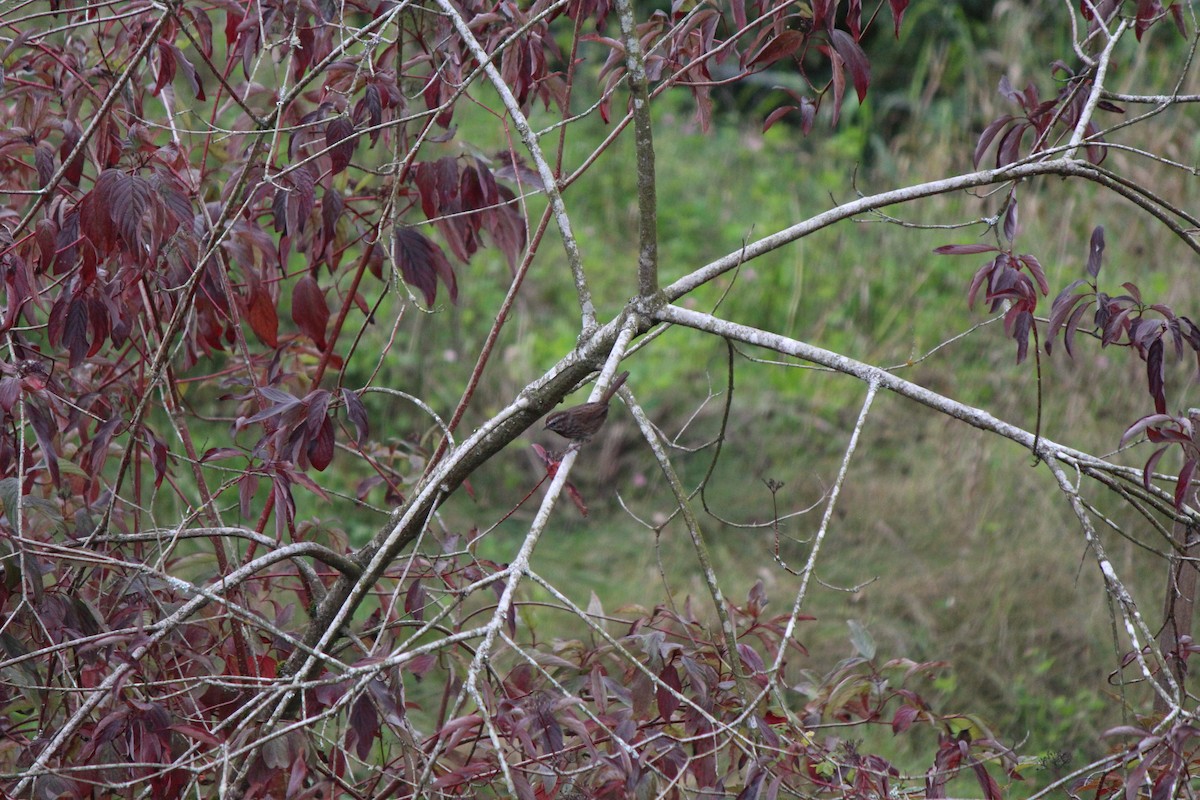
[644,143]
[854,208]
[867,373]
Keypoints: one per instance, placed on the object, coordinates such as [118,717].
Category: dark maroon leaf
[71,136]
[1010,219]
[989,133]
[1148,12]
[166,66]
[904,717]
[261,314]
[1035,269]
[43,162]
[1154,375]
[1008,150]
[1095,251]
[898,7]
[10,392]
[991,789]
[363,725]
[668,701]
[977,280]
[75,330]
[1148,421]
[47,237]
[357,414]
[339,137]
[189,72]
[374,107]
[1151,463]
[129,197]
[964,249]
[44,431]
[855,59]
[317,409]
[100,442]
[309,310]
[1176,10]
[1023,322]
[332,206]
[422,263]
[782,46]
[1184,482]
[158,457]
[320,447]
[1061,308]
[414,600]
[823,13]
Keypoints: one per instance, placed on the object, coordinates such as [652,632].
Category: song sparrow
[580,423]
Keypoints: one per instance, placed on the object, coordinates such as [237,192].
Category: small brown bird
[580,423]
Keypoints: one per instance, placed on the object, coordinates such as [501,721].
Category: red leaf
[71,136]
[421,263]
[261,314]
[1151,463]
[363,725]
[131,197]
[1154,375]
[309,310]
[777,115]
[1010,220]
[1184,482]
[75,330]
[339,136]
[854,19]
[1148,421]
[43,161]
[668,701]
[898,7]
[904,718]
[1072,326]
[1035,269]
[166,67]
[855,59]
[320,447]
[332,206]
[964,249]
[47,235]
[414,600]
[989,133]
[782,46]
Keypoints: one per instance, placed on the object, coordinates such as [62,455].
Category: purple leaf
[898,7]
[855,59]
[1151,463]
[1154,375]
[989,133]
[1095,251]
[1148,421]
[339,136]
[1184,482]
[964,249]
[421,263]
[356,412]
[1010,219]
